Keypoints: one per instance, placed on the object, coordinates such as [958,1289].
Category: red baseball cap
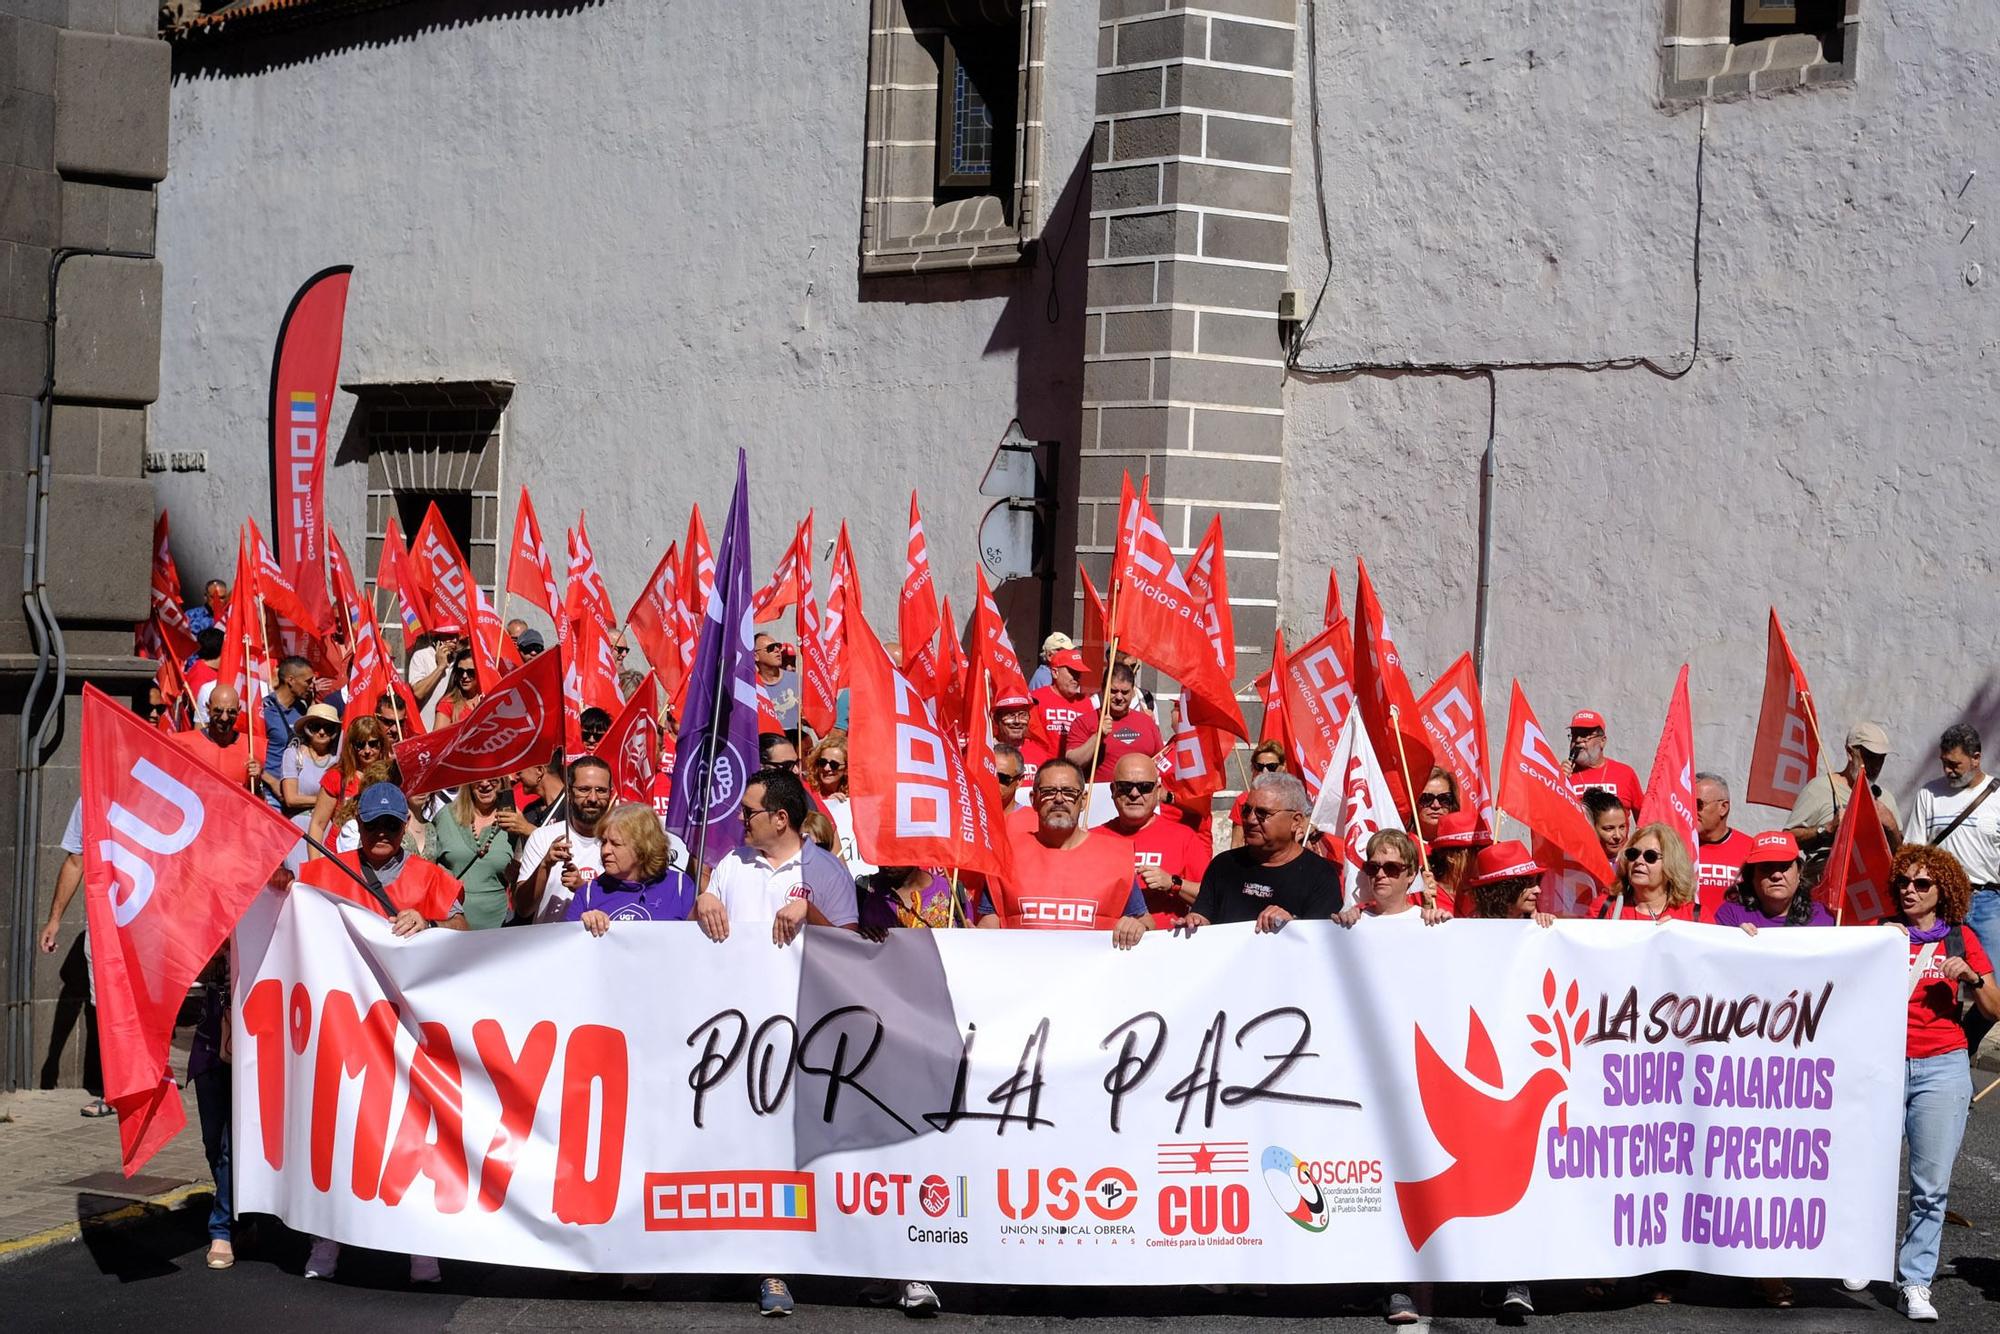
[1503,861]
[1011,700]
[1587,720]
[1773,845]
[1461,829]
[1068,657]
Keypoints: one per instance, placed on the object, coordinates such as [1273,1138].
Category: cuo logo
[160,842]
[1490,1138]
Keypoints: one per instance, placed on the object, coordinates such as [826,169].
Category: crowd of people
[553,845]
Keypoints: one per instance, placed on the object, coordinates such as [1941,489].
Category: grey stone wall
[83,140]
[1511,186]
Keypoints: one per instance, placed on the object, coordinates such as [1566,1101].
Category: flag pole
[708,747]
[1416,816]
[958,913]
[375,890]
[1988,1089]
[1832,788]
[1103,718]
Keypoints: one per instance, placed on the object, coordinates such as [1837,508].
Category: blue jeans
[1937,1095]
[211,1101]
[1984,920]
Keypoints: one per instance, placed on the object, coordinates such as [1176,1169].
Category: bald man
[219,745]
[1170,857]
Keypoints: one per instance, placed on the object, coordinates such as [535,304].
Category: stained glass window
[971,128]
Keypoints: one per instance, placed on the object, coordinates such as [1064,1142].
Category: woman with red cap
[1458,838]
[1769,892]
[1504,883]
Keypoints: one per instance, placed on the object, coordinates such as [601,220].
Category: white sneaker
[918,1299]
[424,1269]
[1916,1303]
[1855,1284]
[323,1258]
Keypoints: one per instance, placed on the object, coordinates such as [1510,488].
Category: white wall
[1503,185]
[647,216]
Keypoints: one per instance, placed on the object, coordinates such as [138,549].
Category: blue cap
[380,801]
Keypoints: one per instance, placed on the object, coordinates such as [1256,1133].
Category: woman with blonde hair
[476,839]
[825,777]
[1656,879]
[639,883]
[365,758]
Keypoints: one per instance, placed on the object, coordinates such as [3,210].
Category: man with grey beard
[1068,877]
[1960,813]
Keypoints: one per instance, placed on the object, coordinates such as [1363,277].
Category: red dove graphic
[1491,1139]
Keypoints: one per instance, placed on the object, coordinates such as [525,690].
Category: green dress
[480,863]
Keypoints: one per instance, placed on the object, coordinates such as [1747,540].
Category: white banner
[1477,1101]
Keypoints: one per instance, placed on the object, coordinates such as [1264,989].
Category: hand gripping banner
[1585,1100]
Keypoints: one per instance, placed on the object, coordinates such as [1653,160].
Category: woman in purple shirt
[1769,893]
[638,884]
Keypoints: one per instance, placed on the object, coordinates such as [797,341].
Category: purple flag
[718,735]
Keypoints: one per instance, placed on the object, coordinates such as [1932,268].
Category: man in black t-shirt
[1272,878]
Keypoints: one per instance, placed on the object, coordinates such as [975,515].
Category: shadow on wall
[71,1015]
[293,37]
[1042,324]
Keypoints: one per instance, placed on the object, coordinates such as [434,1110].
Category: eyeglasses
[1007,778]
[1063,794]
[1130,788]
[830,766]
[1268,766]
[1646,855]
[1258,814]
[1434,799]
[750,813]
[1393,870]
[1923,883]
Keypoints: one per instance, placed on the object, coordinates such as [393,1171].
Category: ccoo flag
[717,742]
[304,366]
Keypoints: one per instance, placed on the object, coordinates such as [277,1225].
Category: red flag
[1856,882]
[916,609]
[304,368]
[1195,759]
[1158,619]
[954,679]
[584,582]
[175,634]
[392,575]
[436,575]
[1208,578]
[1454,718]
[698,570]
[368,669]
[483,632]
[173,686]
[916,801]
[993,650]
[817,690]
[1535,791]
[1388,705]
[1270,687]
[590,678]
[172,854]
[1670,788]
[277,591]
[632,746]
[770,601]
[517,723]
[828,672]
[1335,611]
[247,663]
[1786,754]
[1198,750]
[1318,688]
[1094,646]
[655,620]
[530,574]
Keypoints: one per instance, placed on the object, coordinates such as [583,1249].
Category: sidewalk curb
[36,1242]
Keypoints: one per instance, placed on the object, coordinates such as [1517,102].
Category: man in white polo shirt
[1960,813]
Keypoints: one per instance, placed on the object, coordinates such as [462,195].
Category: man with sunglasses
[1171,858]
[1010,769]
[1589,770]
[778,679]
[1271,879]
[1268,758]
[1010,728]
[218,744]
[1068,877]
[778,876]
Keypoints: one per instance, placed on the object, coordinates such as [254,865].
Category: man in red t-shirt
[1171,857]
[218,744]
[1127,731]
[1063,718]
[1067,877]
[1720,851]
[423,893]
[1588,769]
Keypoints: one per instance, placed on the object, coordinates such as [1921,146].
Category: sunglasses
[750,813]
[1129,788]
[1434,799]
[621,651]
[1069,794]
[830,766]
[789,766]
[1269,767]
[1646,855]
[225,715]
[1390,869]
[1923,883]
[368,745]
[1009,779]
[1258,814]
[385,825]
[319,729]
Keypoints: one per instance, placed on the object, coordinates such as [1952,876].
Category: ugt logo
[1491,1138]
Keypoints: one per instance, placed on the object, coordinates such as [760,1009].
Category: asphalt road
[148,1277]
